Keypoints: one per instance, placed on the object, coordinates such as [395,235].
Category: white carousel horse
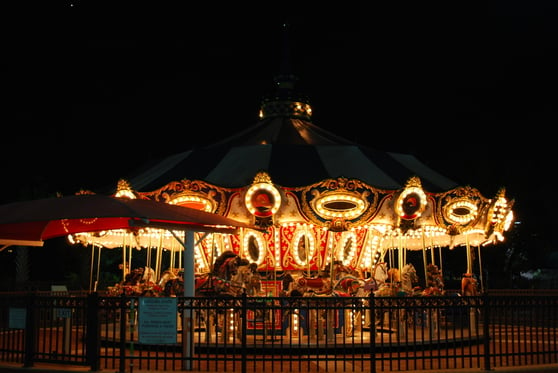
[378,278]
[148,275]
[249,279]
[409,277]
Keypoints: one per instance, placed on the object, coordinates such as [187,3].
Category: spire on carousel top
[285,101]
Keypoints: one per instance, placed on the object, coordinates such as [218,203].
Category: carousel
[322,203]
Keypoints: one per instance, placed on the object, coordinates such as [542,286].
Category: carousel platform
[263,341]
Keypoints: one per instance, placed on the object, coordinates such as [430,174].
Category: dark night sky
[92,91]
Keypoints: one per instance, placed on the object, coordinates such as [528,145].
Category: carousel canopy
[294,152]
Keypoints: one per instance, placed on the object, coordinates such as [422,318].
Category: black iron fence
[277,334]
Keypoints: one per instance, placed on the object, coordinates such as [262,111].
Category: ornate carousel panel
[336,220]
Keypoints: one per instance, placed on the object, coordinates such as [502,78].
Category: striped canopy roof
[294,152]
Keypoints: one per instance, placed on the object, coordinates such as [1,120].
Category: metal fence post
[31,330]
[123,322]
[372,310]
[486,330]
[93,330]
[244,326]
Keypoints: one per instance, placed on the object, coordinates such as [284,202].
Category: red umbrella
[32,222]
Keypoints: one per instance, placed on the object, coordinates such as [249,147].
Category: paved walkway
[53,368]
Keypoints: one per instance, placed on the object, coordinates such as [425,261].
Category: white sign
[16,318]
[64,313]
[157,320]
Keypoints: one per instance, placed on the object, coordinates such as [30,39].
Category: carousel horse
[139,281]
[148,275]
[133,277]
[220,281]
[434,281]
[469,285]
[249,278]
[301,291]
[399,284]
[287,280]
[300,284]
[219,285]
[148,283]
[297,283]
[313,286]
[380,273]
[409,277]
[393,275]
[376,280]
[391,286]
[340,270]
[226,265]
[321,285]
[347,283]
[349,286]
[378,277]
[172,283]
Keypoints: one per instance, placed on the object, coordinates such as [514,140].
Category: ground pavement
[55,368]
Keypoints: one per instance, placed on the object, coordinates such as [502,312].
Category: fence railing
[277,334]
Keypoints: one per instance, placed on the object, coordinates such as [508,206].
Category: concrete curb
[57,368]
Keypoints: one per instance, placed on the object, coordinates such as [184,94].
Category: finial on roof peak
[285,101]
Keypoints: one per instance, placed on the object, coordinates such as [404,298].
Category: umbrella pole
[189,288]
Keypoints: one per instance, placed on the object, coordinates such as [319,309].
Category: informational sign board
[64,313]
[58,288]
[16,318]
[157,320]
